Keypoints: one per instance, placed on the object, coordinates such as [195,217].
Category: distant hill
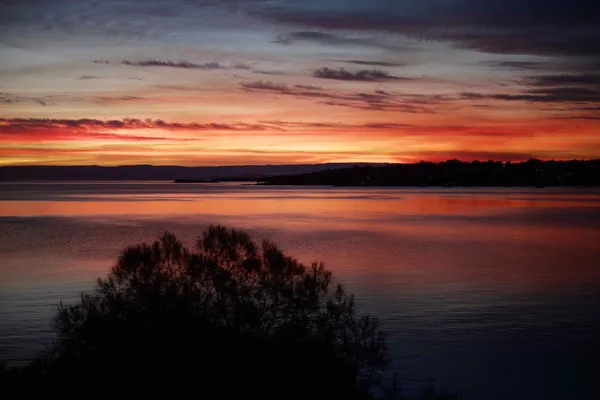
[161,173]
[453,173]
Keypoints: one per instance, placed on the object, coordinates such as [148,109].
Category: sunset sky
[209,82]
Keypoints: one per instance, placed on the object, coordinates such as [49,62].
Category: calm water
[492,292]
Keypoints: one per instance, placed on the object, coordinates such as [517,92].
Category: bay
[491,292]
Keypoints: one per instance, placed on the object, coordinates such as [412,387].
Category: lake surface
[491,292]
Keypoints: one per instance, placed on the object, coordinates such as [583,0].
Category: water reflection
[478,277]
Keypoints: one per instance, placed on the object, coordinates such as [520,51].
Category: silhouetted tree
[232,319]
[232,314]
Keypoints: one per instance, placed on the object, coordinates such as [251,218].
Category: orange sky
[113,84]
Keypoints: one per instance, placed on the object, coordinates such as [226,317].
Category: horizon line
[287,165]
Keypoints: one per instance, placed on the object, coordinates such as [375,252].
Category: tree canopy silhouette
[453,173]
[232,314]
[231,319]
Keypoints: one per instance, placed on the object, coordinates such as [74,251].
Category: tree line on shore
[532,173]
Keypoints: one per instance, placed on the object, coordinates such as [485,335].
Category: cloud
[331,39]
[376,101]
[269,72]
[527,40]
[545,95]
[591,108]
[115,99]
[364,75]
[8,98]
[505,26]
[581,117]
[385,125]
[578,113]
[266,85]
[515,65]
[53,100]
[36,132]
[310,91]
[577,94]
[498,26]
[175,64]
[242,66]
[584,79]
[567,90]
[337,125]
[373,106]
[209,66]
[431,131]
[300,91]
[375,63]
[308,87]
[8,125]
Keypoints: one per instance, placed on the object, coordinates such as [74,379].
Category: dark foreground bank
[232,318]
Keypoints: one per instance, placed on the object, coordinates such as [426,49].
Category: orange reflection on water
[525,238]
[149,204]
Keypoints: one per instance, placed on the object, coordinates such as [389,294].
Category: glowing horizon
[255,82]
